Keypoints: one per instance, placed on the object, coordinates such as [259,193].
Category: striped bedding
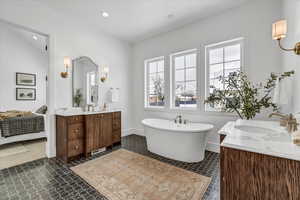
[22,125]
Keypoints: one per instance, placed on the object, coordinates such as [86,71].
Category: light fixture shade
[105,69]
[279,30]
[67,61]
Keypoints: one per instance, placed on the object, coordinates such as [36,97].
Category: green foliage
[243,97]
[77,98]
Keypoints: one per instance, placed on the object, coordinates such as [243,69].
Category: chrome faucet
[90,107]
[178,119]
[289,121]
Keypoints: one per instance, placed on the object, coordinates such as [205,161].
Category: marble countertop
[73,112]
[274,143]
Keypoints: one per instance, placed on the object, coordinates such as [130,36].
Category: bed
[22,128]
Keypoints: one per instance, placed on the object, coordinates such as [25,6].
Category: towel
[282,92]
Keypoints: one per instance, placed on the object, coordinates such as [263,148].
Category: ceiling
[28,36]
[136,20]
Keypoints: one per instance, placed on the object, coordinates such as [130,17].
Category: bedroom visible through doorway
[24,61]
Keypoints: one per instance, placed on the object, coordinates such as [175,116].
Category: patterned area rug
[125,175]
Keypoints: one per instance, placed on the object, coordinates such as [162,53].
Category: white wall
[20,55]
[74,38]
[251,21]
[291,61]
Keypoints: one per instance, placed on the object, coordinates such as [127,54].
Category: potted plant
[77,98]
[243,97]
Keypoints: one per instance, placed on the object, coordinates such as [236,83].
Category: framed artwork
[25,79]
[25,94]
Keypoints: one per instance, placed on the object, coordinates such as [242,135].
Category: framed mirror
[85,76]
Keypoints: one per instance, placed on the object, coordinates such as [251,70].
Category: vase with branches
[243,97]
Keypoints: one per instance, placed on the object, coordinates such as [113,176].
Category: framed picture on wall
[25,94]
[25,79]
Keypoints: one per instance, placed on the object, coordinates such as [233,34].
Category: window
[221,60]
[154,82]
[184,79]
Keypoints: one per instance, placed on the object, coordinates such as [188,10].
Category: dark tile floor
[52,179]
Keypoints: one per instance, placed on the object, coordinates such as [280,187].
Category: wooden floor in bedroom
[21,152]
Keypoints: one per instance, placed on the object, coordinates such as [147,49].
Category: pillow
[42,110]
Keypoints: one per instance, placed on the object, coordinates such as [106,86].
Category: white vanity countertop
[67,113]
[277,144]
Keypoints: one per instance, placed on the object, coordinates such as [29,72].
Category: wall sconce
[67,64]
[279,31]
[104,74]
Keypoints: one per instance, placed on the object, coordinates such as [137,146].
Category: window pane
[155,83]
[190,60]
[160,66]
[152,67]
[232,67]
[233,52]
[216,71]
[216,56]
[190,74]
[179,62]
[179,87]
[190,88]
[179,75]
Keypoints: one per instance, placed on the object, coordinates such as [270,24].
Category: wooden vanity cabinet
[247,175]
[83,134]
[69,136]
[98,131]
[116,137]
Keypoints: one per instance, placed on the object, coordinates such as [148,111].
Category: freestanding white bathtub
[179,142]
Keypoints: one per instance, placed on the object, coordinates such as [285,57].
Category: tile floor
[52,179]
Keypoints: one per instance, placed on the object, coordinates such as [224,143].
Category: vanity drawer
[75,119]
[75,131]
[75,148]
[116,137]
[117,115]
[104,116]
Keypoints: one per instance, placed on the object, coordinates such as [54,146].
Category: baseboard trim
[210,146]
[214,147]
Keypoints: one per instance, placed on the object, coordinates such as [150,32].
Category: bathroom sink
[253,129]
[259,127]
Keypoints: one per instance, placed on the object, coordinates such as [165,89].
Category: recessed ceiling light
[105,14]
[34,37]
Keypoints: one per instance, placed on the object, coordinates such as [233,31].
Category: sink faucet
[289,121]
[90,107]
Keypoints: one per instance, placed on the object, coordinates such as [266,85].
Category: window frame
[172,79]
[223,44]
[146,81]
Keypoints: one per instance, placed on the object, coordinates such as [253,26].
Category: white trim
[214,147]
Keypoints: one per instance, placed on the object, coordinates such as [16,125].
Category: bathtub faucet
[178,119]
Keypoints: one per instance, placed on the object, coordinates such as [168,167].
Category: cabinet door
[98,143]
[106,131]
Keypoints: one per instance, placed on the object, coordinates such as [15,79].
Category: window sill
[192,111]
